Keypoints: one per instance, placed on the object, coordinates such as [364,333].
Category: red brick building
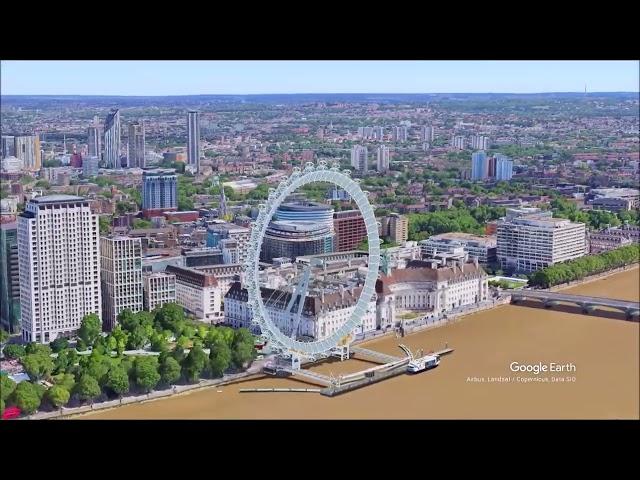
[350,230]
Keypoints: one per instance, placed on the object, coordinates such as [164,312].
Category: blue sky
[249,77]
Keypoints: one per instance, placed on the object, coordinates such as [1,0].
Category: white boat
[424,363]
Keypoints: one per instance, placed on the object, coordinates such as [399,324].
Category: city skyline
[168,78]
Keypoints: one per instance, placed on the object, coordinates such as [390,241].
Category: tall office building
[9,278]
[383,158]
[504,167]
[121,277]
[159,189]
[90,166]
[428,134]
[27,149]
[360,158]
[8,146]
[530,239]
[136,145]
[399,134]
[479,166]
[94,145]
[112,140]
[59,266]
[193,139]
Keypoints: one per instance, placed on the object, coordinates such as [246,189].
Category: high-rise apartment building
[479,142]
[428,134]
[121,278]
[350,230]
[27,149]
[193,139]
[399,134]
[457,142]
[530,239]
[90,166]
[159,189]
[8,146]
[479,166]
[94,145]
[360,158]
[59,266]
[112,140]
[136,145]
[9,278]
[378,133]
[395,227]
[159,288]
[383,158]
[504,167]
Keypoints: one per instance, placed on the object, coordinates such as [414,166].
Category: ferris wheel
[287,340]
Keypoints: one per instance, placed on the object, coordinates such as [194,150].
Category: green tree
[243,347]
[146,372]
[96,366]
[219,358]
[104,224]
[159,343]
[65,380]
[182,342]
[121,337]
[118,380]
[169,370]
[4,337]
[37,366]
[194,364]
[14,351]
[140,223]
[90,328]
[7,386]
[34,347]
[87,388]
[58,396]
[27,397]
[59,344]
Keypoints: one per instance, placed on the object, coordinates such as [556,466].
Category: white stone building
[59,266]
[529,240]
[199,293]
[322,315]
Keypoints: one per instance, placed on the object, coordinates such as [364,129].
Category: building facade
[529,240]
[90,166]
[350,230]
[612,238]
[360,158]
[94,145]
[504,168]
[27,149]
[428,134]
[59,265]
[382,158]
[159,189]
[121,278]
[395,227]
[321,316]
[9,278]
[136,157]
[112,140]
[430,290]
[159,288]
[479,166]
[199,293]
[484,248]
[193,139]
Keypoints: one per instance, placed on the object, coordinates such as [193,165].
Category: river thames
[476,381]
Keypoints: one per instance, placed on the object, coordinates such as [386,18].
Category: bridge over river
[587,303]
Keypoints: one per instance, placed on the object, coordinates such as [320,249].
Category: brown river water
[603,348]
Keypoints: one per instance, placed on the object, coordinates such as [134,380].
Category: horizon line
[313,93]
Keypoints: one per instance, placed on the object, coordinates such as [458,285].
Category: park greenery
[584,266]
[458,219]
[98,368]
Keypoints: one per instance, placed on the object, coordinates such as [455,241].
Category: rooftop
[57,199]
